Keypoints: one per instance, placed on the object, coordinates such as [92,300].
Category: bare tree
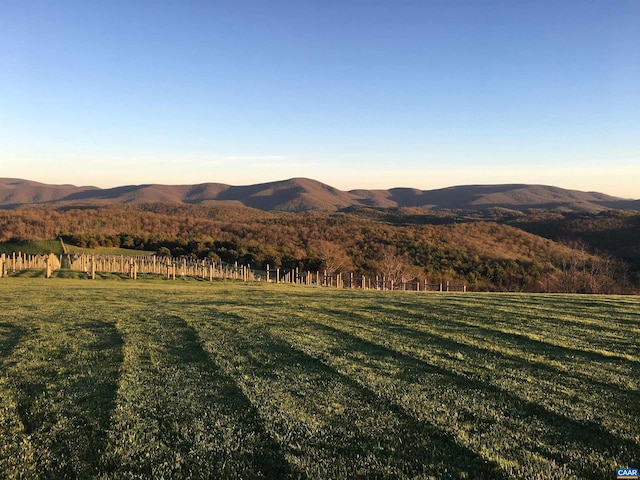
[394,268]
[334,257]
[583,272]
[572,264]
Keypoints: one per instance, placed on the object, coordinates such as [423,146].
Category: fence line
[172,268]
[343,280]
[18,261]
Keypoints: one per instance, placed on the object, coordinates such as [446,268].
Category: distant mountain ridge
[302,194]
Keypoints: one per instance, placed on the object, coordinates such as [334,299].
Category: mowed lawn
[187,379]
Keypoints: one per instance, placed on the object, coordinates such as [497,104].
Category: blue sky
[357,94]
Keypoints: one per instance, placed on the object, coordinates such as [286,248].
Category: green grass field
[31,247]
[184,379]
[40,247]
[107,251]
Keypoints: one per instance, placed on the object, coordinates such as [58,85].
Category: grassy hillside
[39,247]
[32,247]
[197,380]
[107,251]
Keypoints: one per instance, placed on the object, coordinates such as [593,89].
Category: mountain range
[302,194]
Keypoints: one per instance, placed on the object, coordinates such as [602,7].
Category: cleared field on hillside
[180,379]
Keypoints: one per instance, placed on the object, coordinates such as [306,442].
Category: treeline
[482,254]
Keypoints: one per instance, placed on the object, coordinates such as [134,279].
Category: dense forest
[490,250]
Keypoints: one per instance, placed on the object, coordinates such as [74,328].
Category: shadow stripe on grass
[63,386]
[10,335]
[559,434]
[329,425]
[615,382]
[16,451]
[484,317]
[178,415]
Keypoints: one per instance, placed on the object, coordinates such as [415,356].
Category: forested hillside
[614,232]
[534,252]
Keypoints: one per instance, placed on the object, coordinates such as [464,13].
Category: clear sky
[353,93]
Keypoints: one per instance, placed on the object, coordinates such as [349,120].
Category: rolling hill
[301,194]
